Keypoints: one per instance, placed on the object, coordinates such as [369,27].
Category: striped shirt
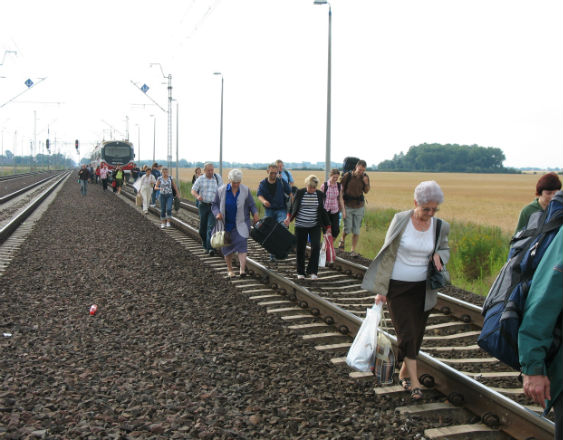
[207,188]
[331,199]
[165,185]
[307,214]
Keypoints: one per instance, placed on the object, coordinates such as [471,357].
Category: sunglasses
[430,209]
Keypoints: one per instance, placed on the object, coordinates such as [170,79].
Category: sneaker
[314,277]
[211,252]
[152,205]
[145,212]
[162,226]
[300,277]
[167,224]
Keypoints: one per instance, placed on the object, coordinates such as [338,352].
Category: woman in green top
[119,179]
[546,188]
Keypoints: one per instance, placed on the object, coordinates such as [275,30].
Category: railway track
[329,311]
[19,213]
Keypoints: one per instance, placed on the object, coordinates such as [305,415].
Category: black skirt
[405,300]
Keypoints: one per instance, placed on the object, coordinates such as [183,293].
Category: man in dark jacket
[83,176]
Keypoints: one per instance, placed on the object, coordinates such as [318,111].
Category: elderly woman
[164,185]
[232,205]
[310,216]
[399,275]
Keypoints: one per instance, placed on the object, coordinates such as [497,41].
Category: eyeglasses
[430,209]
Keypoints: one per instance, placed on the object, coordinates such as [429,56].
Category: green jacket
[525,214]
[378,275]
[543,306]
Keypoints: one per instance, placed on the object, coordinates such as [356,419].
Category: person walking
[146,188]
[104,172]
[204,190]
[97,172]
[272,192]
[287,177]
[354,185]
[398,275]
[310,217]
[164,184]
[334,204]
[156,173]
[119,177]
[83,176]
[546,187]
[232,206]
[543,377]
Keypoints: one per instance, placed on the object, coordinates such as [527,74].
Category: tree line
[448,158]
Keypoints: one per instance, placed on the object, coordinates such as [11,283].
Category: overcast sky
[485,72]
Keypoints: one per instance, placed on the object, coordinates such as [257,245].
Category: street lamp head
[217,73]
[320,2]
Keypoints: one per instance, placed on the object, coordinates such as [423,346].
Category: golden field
[491,199]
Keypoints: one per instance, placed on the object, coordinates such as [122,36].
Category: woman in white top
[147,184]
[399,275]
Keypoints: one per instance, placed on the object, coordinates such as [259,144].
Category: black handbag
[437,278]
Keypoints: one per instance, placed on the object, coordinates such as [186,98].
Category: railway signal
[76,145]
[47,145]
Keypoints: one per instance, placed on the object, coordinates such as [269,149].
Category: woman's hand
[438,262]
[344,213]
[219,216]
[380,299]
[286,222]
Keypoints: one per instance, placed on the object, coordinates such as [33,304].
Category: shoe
[416,394]
[314,277]
[145,212]
[272,258]
[341,245]
[152,205]
[162,226]
[243,274]
[405,382]
[354,254]
[230,274]
[211,252]
[167,224]
[300,277]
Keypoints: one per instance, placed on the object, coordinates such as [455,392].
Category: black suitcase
[273,237]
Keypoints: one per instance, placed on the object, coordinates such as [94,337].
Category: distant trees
[448,158]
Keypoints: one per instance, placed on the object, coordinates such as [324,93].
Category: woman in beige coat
[399,275]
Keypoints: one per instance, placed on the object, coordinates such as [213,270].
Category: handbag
[139,199]
[220,238]
[361,356]
[437,278]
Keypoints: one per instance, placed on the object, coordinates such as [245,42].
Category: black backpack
[349,164]
[504,307]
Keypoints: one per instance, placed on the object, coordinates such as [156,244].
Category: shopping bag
[322,255]
[328,243]
[137,184]
[219,237]
[139,200]
[361,356]
[384,366]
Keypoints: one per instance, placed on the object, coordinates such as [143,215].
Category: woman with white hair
[233,205]
[310,216]
[398,275]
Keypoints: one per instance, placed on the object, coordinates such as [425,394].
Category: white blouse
[414,253]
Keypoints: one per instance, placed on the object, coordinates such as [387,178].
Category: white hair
[428,191]
[235,175]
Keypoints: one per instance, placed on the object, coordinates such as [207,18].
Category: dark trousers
[334,223]
[105,183]
[558,408]
[206,224]
[315,235]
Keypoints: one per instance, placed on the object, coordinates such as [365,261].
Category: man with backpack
[354,185]
[204,190]
[541,323]
[287,177]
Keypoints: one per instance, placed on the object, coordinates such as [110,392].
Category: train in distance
[114,153]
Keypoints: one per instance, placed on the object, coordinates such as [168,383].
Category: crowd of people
[398,275]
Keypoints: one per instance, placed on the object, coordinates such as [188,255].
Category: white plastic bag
[361,356]
[322,255]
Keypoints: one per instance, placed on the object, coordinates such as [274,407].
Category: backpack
[337,183]
[349,164]
[504,306]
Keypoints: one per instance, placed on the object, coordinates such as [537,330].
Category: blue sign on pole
[145,88]
[29,82]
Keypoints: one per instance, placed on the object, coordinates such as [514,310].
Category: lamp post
[221,130]
[153,137]
[138,143]
[169,147]
[328,87]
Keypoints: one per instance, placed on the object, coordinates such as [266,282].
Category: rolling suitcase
[273,237]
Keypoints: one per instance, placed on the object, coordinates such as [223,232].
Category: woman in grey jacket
[398,275]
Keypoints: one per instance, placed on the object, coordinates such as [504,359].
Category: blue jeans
[206,224]
[155,194]
[165,206]
[83,187]
[278,214]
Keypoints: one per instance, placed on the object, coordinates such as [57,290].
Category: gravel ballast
[174,351]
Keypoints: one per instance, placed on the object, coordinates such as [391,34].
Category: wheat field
[488,199]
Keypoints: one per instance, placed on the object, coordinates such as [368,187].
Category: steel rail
[20,191]
[13,224]
[15,176]
[494,409]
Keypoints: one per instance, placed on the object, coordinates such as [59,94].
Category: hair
[207,164]
[235,175]
[278,162]
[428,191]
[154,165]
[273,165]
[335,171]
[164,168]
[197,168]
[549,182]
[362,163]
[312,181]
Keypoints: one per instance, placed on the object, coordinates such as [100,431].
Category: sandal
[341,245]
[405,382]
[230,274]
[416,394]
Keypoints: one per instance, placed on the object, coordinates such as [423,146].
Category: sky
[484,72]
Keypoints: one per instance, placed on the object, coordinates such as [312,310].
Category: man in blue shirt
[273,192]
